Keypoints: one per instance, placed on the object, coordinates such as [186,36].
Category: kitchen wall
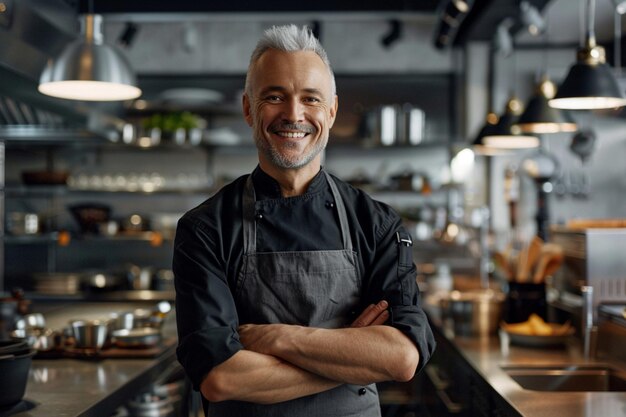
[222,45]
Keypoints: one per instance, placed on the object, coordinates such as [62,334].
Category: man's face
[291,108]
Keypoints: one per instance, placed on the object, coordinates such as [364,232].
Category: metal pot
[14,370]
[475,312]
[394,124]
[20,223]
[136,338]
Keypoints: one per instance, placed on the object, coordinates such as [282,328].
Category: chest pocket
[309,288]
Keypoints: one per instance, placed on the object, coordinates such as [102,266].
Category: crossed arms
[281,362]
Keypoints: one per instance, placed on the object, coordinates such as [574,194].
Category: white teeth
[291,134]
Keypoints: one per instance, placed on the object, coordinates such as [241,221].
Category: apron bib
[308,288]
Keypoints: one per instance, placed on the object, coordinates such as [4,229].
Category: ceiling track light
[451,15]
[590,83]
[90,70]
[395,33]
[532,19]
[503,40]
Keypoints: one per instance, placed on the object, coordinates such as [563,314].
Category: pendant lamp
[590,83]
[478,145]
[89,69]
[539,117]
[505,134]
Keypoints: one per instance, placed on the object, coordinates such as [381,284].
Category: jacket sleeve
[393,278]
[206,316]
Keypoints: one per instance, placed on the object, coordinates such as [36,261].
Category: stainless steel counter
[73,387]
[485,356]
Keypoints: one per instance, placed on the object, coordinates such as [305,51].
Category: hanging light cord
[617,28]
[590,36]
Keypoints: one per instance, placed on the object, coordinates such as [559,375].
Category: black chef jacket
[208,253]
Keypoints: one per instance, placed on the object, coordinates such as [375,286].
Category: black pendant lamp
[506,134]
[488,129]
[539,117]
[590,83]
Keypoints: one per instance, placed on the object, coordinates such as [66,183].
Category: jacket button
[362,391]
[258,216]
[330,204]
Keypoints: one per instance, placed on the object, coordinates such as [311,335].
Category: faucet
[587,328]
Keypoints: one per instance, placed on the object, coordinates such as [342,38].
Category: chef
[295,292]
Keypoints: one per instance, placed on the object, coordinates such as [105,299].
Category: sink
[568,377]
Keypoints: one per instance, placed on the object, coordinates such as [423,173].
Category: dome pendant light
[539,117]
[89,69]
[590,83]
[506,134]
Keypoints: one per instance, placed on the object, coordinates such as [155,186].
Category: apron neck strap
[249,214]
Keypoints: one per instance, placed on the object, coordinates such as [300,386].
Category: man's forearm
[259,378]
[352,355]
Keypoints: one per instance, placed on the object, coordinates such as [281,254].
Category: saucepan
[136,338]
[476,312]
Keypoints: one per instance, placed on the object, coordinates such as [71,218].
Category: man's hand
[373,315]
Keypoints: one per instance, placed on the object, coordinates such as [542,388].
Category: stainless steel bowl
[136,338]
[31,321]
[89,334]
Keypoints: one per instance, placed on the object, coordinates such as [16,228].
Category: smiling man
[295,292]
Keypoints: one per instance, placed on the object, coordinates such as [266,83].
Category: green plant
[169,122]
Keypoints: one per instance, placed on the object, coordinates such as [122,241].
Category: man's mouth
[296,135]
[291,130]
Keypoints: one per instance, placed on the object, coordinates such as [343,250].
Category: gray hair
[289,38]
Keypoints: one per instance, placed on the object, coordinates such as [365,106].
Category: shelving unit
[60,247]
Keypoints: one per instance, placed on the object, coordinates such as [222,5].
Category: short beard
[281,161]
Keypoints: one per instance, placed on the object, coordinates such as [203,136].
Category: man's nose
[293,111]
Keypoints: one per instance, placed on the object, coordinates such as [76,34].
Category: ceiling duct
[482,20]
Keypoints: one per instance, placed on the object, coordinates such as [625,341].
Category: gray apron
[308,288]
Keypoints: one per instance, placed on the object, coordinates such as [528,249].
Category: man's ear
[333,111]
[245,102]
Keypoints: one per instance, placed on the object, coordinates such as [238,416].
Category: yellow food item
[535,326]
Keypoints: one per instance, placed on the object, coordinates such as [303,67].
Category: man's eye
[312,100]
[272,98]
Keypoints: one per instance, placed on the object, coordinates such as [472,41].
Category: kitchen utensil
[143,317]
[90,215]
[31,321]
[140,278]
[136,338]
[21,223]
[475,312]
[14,371]
[89,334]
[43,340]
[13,347]
[528,257]
[550,260]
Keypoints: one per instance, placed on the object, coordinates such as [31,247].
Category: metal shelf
[47,135]
[54,237]
[63,190]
